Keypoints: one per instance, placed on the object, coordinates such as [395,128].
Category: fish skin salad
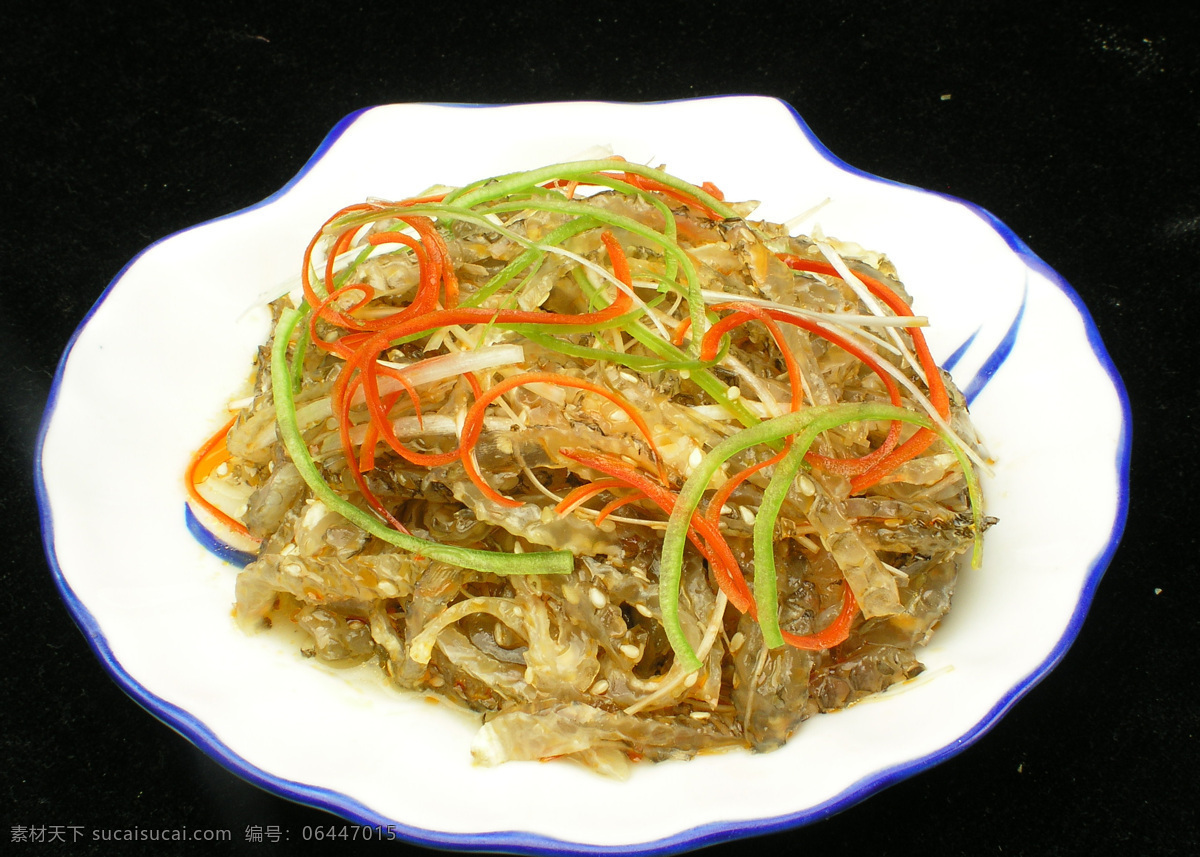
[590,452]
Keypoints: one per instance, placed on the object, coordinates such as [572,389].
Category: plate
[151,367]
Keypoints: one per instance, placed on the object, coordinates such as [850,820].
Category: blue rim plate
[155,604]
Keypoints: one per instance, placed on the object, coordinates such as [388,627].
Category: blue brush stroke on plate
[996,359]
[956,355]
[213,543]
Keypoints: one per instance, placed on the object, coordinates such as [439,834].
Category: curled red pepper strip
[719,499]
[436,268]
[342,414]
[614,505]
[585,492]
[843,466]
[743,312]
[397,328]
[343,240]
[707,538]
[643,183]
[367,449]
[938,396]
[362,363]
[341,245]
[702,533]
[833,634]
[310,293]
[361,348]
[711,343]
[424,301]
[839,629]
[433,262]
[473,424]
[439,258]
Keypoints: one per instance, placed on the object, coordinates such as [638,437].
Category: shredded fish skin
[586,665]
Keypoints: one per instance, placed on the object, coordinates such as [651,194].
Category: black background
[1075,123]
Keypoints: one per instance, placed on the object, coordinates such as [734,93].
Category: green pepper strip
[572,228]
[670,263]
[679,360]
[540,562]
[586,217]
[638,362]
[673,355]
[580,171]
[696,306]
[809,423]
[530,255]
[536,255]
[346,273]
[303,340]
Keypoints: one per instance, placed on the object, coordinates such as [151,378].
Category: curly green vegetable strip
[809,423]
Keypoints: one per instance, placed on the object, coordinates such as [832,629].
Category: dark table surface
[1076,124]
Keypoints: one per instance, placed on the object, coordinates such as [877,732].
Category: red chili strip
[473,424]
[938,396]
[744,312]
[702,533]
[614,505]
[833,634]
[585,492]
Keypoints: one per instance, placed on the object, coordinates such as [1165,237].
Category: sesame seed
[598,598]
[644,610]
[630,651]
[600,687]
[701,715]
[736,642]
[734,394]
[691,679]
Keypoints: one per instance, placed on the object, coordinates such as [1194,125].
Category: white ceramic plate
[155,605]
